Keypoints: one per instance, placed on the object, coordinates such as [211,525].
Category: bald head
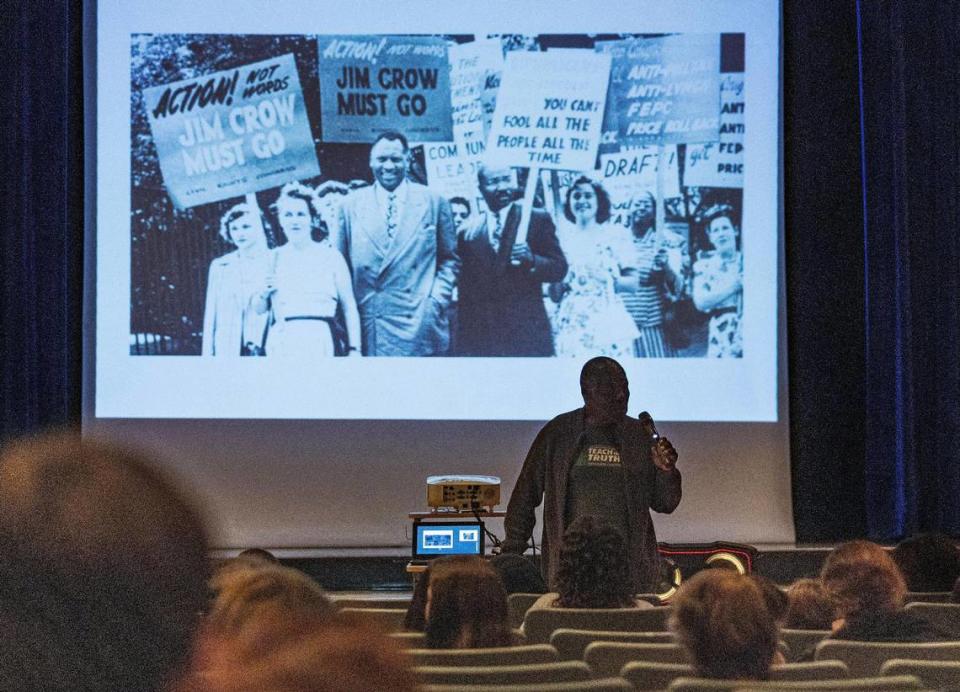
[605,390]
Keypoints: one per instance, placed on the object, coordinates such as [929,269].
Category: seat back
[518,604]
[865,658]
[607,658]
[558,671]
[900,682]
[934,674]
[410,640]
[801,641]
[928,597]
[602,685]
[652,675]
[539,624]
[385,620]
[945,615]
[570,644]
[393,602]
[810,670]
[500,655]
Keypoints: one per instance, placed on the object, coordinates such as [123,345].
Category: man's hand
[664,455]
[520,256]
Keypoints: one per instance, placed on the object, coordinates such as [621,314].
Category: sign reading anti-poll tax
[549,110]
[231,132]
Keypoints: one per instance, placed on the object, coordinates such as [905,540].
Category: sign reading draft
[232,132]
[549,110]
[369,84]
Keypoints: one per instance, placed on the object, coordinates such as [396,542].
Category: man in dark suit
[501,279]
[399,240]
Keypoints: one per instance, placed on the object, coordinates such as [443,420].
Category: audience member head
[809,606]
[861,576]
[605,390]
[416,618]
[928,562]
[593,570]
[103,568]
[263,591]
[518,574]
[498,186]
[773,596]
[258,554]
[466,606]
[334,657]
[721,619]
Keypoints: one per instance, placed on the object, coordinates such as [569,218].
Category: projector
[463,493]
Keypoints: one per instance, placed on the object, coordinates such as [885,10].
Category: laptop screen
[436,539]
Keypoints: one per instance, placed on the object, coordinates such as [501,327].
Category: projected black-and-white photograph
[495,195]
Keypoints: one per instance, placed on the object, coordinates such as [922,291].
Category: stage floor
[381,570]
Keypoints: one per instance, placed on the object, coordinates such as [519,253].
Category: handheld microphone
[649,428]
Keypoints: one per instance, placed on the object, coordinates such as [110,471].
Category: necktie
[497,232]
[391,215]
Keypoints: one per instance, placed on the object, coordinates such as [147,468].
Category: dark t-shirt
[596,483]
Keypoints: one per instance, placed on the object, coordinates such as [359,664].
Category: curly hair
[298,191]
[593,570]
[861,576]
[809,606]
[928,561]
[466,605]
[237,211]
[722,620]
[603,200]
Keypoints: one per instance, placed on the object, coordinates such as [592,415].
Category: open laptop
[435,539]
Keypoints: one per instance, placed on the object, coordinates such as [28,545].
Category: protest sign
[720,164]
[664,90]
[629,175]
[549,110]
[231,132]
[369,84]
[472,66]
[450,174]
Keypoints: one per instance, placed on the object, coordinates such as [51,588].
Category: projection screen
[337,248]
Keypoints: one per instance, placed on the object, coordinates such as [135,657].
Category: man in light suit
[399,240]
[501,310]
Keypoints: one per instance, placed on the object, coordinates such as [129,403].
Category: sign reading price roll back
[231,132]
[549,110]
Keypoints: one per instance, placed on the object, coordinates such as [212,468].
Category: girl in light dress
[590,318]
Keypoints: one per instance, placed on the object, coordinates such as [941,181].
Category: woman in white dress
[591,318]
[310,281]
[718,284]
[231,324]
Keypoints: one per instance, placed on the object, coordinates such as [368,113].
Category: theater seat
[385,620]
[934,674]
[500,655]
[602,685]
[570,644]
[558,671]
[607,658]
[900,682]
[865,658]
[518,605]
[540,624]
[801,641]
[945,615]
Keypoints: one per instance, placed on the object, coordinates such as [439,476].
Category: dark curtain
[911,60]
[41,207]
[871,183]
